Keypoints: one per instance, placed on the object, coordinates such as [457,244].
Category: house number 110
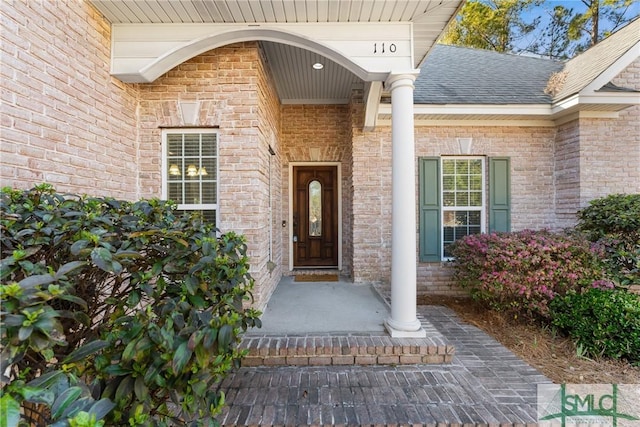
[383,48]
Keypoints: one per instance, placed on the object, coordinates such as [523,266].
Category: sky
[576,5]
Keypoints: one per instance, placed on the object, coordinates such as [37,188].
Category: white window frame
[443,209]
[165,170]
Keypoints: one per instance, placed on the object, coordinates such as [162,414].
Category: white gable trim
[616,68]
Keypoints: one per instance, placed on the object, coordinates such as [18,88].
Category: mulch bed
[555,356]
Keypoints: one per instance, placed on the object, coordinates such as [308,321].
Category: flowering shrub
[523,271]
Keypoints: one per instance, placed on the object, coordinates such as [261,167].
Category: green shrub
[602,322]
[613,222]
[116,311]
[613,214]
[522,271]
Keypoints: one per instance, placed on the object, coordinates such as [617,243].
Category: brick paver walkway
[484,384]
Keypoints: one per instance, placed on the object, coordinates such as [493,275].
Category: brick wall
[597,157]
[531,151]
[567,171]
[237,96]
[64,119]
[325,128]
[269,119]
[610,148]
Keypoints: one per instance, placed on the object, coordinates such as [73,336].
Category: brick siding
[65,120]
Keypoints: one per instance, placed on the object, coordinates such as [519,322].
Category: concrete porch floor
[323,307]
[335,323]
[483,383]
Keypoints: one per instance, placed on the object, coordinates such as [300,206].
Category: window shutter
[430,240]
[499,194]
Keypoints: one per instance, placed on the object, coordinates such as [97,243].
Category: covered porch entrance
[265,65]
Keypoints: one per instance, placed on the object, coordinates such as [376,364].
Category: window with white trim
[455,201]
[463,200]
[190,170]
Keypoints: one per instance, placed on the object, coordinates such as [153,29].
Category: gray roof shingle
[458,75]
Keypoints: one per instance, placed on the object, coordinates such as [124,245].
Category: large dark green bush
[613,222]
[116,311]
[603,322]
[522,271]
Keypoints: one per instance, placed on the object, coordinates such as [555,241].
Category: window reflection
[315,209]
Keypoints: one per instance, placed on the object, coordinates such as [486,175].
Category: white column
[403,321]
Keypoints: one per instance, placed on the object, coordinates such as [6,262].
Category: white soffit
[428,16]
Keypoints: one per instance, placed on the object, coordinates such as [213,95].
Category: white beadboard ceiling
[296,81]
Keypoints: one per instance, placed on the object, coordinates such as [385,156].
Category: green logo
[589,403]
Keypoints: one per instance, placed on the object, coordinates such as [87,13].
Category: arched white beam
[143,52]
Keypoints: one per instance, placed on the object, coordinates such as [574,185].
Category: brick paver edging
[348,349]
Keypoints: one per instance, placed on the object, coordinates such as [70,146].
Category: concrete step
[344,349]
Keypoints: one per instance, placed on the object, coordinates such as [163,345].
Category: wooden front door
[315,216]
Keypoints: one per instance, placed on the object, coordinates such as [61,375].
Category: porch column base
[404,329]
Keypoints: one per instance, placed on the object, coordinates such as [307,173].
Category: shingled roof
[459,75]
[473,76]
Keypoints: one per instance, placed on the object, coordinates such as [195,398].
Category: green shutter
[499,194]
[430,240]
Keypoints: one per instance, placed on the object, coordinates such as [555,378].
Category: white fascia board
[539,110]
[616,68]
[611,98]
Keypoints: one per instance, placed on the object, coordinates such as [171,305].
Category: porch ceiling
[299,83]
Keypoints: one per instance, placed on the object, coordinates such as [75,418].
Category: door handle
[295,239]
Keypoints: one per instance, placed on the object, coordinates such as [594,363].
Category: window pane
[475,182]
[192,193]
[475,167]
[315,209]
[448,167]
[462,199]
[208,169]
[448,234]
[474,218]
[174,169]
[209,145]
[448,183]
[462,217]
[174,145]
[449,199]
[475,199]
[192,144]
[462,182]
[175,192]
[208,216]
[449,218]
[209,193]
[462,167]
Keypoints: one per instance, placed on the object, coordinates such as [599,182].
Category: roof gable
[596,67]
